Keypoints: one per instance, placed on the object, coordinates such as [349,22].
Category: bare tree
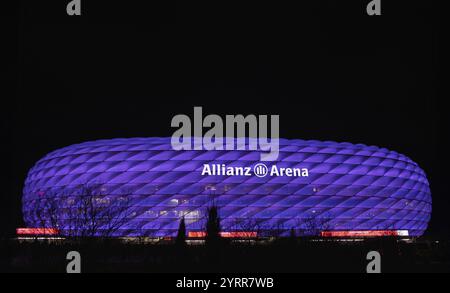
[97,213]
[85,211]
[314,224]
[275,229]
[246,226]
[45,209]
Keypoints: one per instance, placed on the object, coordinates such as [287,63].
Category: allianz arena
[346,187]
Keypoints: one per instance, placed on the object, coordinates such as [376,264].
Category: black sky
[124,68]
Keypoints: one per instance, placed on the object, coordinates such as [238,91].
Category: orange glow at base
[240,234]
[37,231]
[364,233]
[196,234]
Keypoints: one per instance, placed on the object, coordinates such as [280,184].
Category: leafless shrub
[85,211]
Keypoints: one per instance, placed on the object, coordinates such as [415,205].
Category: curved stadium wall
[349,187]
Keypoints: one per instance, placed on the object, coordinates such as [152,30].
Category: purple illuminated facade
[348,187]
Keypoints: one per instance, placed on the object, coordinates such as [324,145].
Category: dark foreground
[287,255]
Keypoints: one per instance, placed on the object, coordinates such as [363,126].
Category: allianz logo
[259,170]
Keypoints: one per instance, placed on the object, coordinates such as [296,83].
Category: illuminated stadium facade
[313,187]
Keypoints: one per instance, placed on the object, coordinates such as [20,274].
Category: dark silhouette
[213,226]
[292,235]
[181,236]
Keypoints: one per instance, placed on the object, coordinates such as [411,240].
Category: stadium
[142,187]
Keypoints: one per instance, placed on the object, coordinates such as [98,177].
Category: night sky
[125,68]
